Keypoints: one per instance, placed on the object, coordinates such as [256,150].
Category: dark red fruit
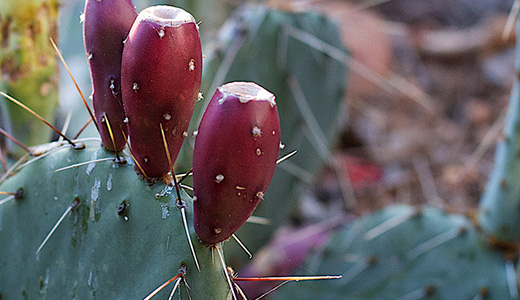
[105,27]
[161,74]
[234,158]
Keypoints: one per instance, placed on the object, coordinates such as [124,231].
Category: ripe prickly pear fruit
[105,27]
[161,75]
[234,158]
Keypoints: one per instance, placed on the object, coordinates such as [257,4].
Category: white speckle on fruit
[258,151]
[167,116]
[219,178]
[191,65]
[256,132]
[135,86]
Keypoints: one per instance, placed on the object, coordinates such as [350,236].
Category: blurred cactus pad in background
[28,66]
[384,175]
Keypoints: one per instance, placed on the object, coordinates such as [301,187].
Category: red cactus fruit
[161,74]
[105,27]
[234,158]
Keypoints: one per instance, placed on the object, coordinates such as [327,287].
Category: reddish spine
[105,27]
[234,158]
[161,74]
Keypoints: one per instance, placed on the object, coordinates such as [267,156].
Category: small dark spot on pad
[122,208]
[18,195]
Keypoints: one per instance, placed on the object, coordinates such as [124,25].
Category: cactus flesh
[234,158]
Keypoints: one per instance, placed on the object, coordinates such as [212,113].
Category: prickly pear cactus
[288,53]
[406,252]
[116,238]
[28,66]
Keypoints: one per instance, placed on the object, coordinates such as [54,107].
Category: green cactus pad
[102,249]
[405,252]
[499,213]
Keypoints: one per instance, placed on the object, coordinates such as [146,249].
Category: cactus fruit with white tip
[161,76]
[234,158]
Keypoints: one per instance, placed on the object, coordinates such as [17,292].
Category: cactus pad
[404,252]
[119,238]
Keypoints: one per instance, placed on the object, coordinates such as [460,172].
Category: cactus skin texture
[28,66]
[161,73]
[280,60]
[234,158]
[499,215]
[96,253]
[405,252]
[105,27]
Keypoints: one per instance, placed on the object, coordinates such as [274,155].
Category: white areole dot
[219,178]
